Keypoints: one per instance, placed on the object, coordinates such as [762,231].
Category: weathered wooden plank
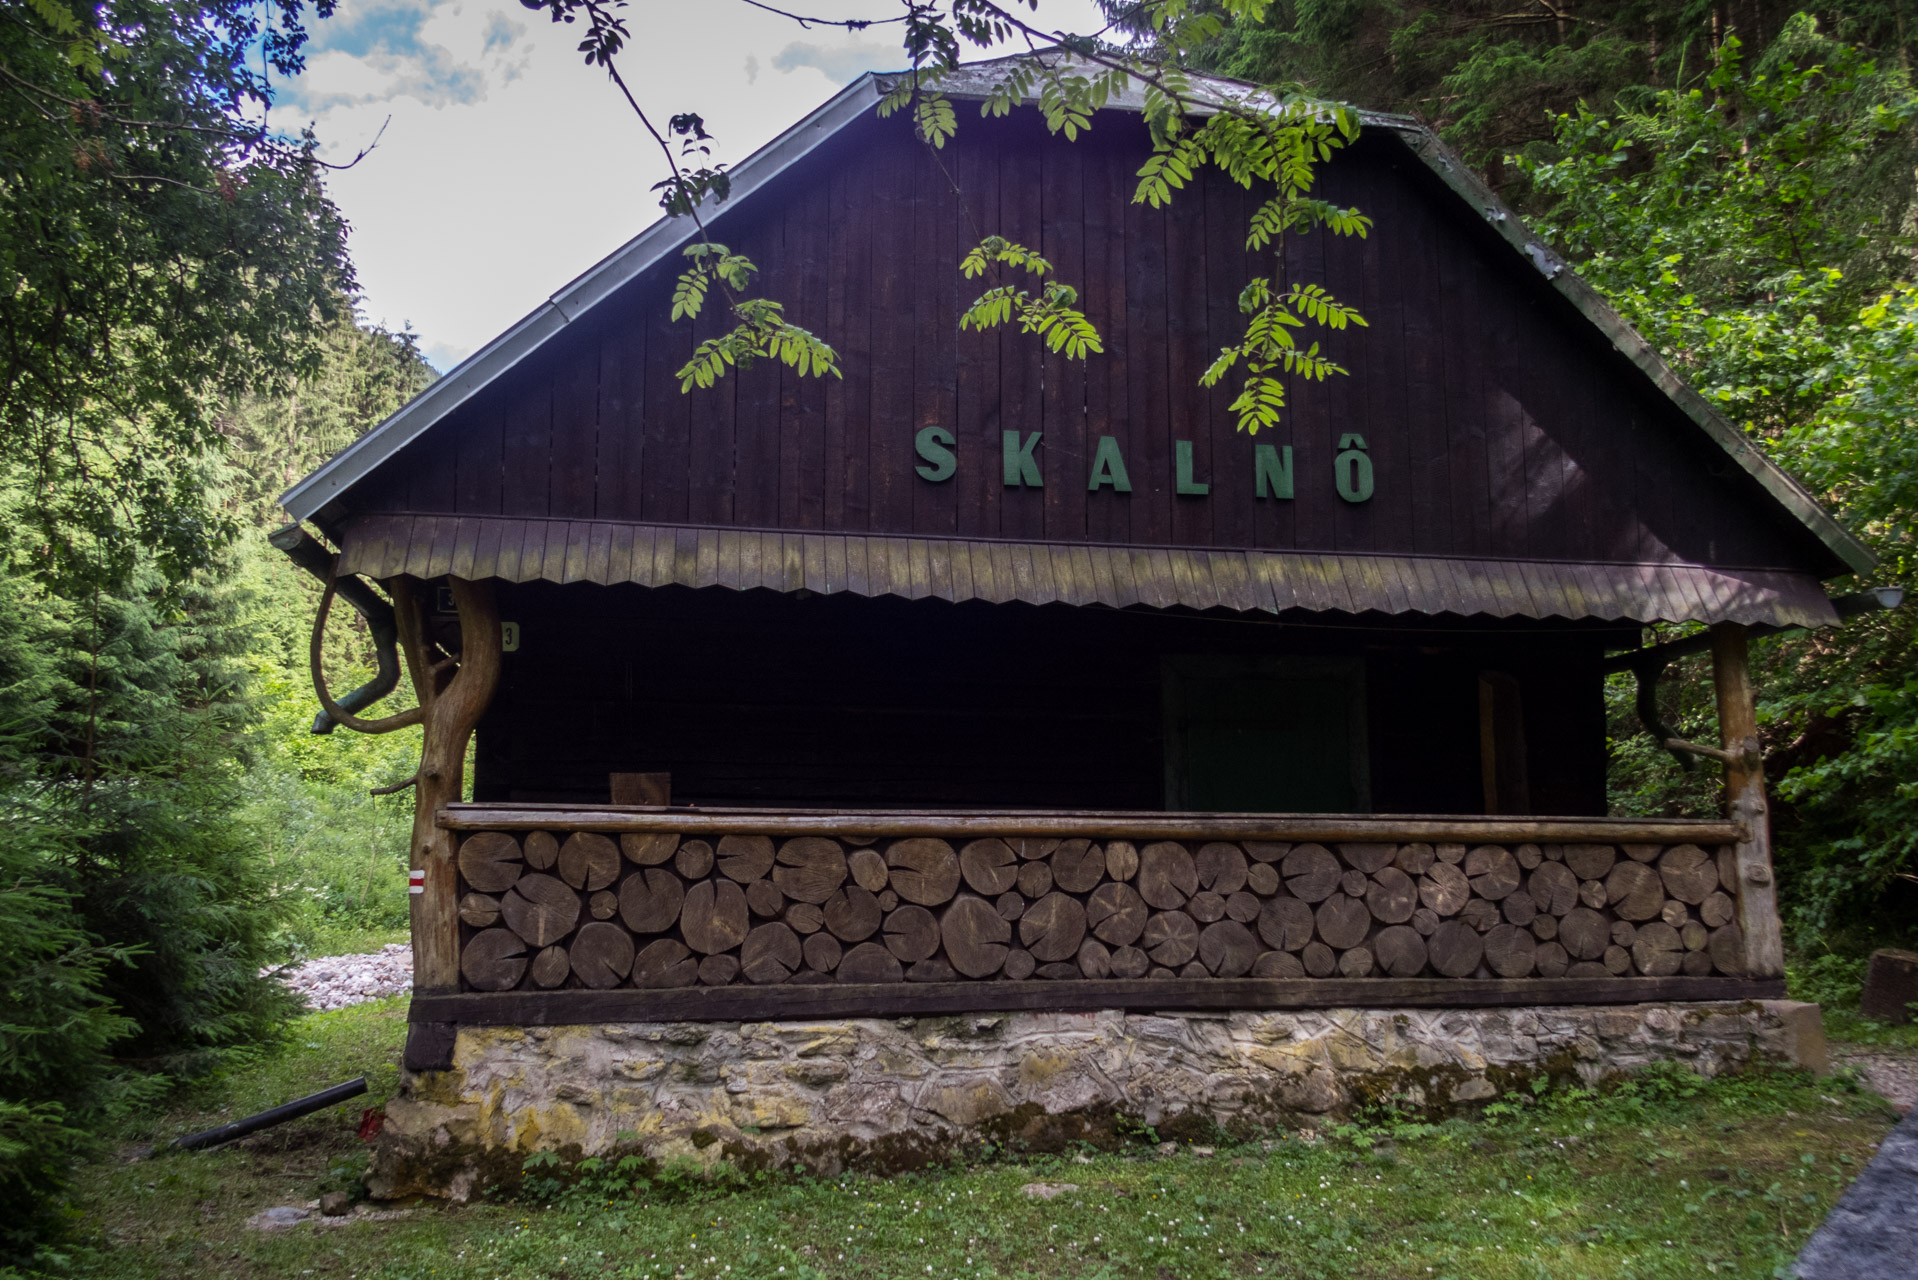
[1096,824]
[728,571]
[835,562]
[753,1003]
[575,432]
[551,565]
[486,548]
[440,553]
[646,542]
[858,572]
[619,555]
[465,538]
[919,563]
[939,569]
[579,539]
[985,573]
[792,563]
[959,554]
[476,477]
[813,557]
[622,437]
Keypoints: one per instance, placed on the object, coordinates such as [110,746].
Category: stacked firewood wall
[546,910]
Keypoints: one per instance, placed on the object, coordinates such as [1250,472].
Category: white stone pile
[334,982]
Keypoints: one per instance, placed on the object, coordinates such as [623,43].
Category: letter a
[1108,467]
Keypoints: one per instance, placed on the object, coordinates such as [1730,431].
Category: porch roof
[1251,581]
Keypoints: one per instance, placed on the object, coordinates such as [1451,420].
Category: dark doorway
[1266,734]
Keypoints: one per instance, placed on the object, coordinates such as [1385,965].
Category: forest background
[1736,176]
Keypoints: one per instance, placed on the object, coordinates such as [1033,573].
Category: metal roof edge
[594,285]
[1452,170]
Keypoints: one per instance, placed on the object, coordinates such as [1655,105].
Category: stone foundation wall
[888,1094]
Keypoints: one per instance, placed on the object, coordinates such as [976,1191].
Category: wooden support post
[1745,802]
[453,699]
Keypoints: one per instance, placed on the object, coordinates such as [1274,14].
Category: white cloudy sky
[508,166]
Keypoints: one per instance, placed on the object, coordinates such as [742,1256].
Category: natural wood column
[1745,802]
[452,698]
[453,690]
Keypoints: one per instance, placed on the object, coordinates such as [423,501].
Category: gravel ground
[1890,1072]
[333,982]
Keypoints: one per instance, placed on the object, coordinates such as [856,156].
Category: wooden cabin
[982,678]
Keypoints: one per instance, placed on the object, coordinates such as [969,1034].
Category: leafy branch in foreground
[1282,144]
[1254,137]
[1051,315]
[762,329]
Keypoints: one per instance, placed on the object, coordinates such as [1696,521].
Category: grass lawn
[1668,1177]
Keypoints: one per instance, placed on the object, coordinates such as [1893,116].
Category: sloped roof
[667,236]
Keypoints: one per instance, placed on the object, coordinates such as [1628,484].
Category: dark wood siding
[1498,424]
[759,697]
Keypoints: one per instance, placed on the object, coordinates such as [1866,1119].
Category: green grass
[1671,1177]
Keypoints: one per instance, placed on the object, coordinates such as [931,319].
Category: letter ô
[1020,466]
[1352,469]
[934,444]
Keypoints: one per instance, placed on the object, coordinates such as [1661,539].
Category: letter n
[1272,464]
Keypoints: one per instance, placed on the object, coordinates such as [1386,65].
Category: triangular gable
[655,250]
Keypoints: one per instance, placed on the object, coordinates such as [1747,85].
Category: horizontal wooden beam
[901,999]
[1092,824]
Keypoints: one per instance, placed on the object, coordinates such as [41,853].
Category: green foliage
[1491,76]
[171,827]
[761,329]
[1277,146]
[163,251]
[1755,229]
[1051,315]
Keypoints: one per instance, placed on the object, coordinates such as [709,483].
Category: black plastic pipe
[278,1115]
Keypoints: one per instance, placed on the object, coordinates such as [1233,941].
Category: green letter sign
[1108,467]
[1272,470]
[935,446]
[1020,468]
[1352,470]
[1182,461]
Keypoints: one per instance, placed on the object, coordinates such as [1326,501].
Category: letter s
[934,444]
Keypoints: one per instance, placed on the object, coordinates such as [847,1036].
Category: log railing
[595,913]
